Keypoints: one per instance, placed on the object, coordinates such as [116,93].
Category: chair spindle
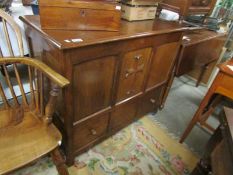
[7,79]
[7,38]
[20,85]
[32,94]
[5,102]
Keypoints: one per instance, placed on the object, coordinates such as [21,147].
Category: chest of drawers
[116,77]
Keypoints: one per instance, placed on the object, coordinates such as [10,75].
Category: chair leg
[191,124]
[211,107]
[203,70]
[197,116]
[59,162]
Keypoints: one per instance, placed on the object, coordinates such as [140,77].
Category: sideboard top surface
[198,36]
[127,30]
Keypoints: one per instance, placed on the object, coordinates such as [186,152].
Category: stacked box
[133,10]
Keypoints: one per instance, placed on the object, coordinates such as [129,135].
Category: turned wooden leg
[59,162]
[203,70]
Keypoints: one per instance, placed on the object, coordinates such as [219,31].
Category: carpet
[143,148]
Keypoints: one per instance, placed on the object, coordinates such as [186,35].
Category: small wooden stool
[221,87]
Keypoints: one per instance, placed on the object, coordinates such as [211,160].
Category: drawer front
[150,101]
[92,86]
[132,73]
[90,130]
[123,114]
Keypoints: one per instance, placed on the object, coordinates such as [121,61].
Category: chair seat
[17,148]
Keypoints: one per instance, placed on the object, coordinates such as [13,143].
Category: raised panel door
[161,64]
[93,81]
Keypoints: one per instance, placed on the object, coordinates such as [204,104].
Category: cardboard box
[141,2]
[80,15]
[134,13]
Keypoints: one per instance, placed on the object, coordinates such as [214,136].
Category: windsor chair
[26,128]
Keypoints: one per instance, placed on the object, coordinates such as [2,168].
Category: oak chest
[116,77]
[80,15]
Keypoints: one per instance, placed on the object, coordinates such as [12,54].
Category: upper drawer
[132,73]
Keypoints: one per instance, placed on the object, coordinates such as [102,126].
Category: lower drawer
[90,130]
[123,114]
[150,101]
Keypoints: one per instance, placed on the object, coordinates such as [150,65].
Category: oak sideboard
[116,77]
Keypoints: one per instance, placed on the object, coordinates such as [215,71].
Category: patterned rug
[142,148]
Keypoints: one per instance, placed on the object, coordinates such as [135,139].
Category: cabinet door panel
[162,63]
[93,81]
[132,73]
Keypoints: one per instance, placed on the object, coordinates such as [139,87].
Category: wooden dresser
[116,77]
[188,7]
[199,49]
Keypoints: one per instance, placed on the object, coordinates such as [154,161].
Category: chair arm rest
[46,70]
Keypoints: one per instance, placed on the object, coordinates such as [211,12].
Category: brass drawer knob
[93,132]
[138,57]
[204,2]
[128,92]
[153,101]
[129,72]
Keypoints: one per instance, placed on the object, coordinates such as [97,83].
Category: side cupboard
[116,77]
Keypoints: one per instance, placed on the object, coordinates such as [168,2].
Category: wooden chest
[79,15]
[116,77]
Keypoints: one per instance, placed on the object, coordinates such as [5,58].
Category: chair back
[12,89]
[10,36]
